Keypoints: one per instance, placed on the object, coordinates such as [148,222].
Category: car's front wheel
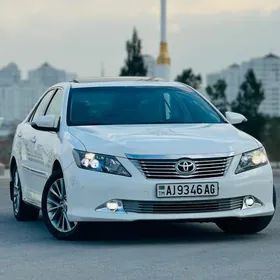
[244,226]
[54,209]
[247,225]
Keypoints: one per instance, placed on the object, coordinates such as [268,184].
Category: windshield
[138,105]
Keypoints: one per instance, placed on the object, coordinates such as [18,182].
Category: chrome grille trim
[183,207]
[175,157]
[165,168]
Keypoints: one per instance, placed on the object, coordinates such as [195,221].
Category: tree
[248,101]
[250,96]
[189,78]
[217,94]
[271,138]
[134,63]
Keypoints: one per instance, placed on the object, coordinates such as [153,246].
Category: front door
[47,144]
[31,174]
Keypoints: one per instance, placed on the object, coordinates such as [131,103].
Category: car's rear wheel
[54,209]
[22,211]
[247,225]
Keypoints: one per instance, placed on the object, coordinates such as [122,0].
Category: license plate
[187,190]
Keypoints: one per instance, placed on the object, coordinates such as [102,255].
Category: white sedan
[137,150]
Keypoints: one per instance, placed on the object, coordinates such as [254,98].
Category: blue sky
[77,36]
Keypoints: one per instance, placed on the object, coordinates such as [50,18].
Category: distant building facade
[266,69]
[17,97]
[9,75]
[47,75]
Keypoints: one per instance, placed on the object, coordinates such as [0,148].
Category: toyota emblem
[185,166]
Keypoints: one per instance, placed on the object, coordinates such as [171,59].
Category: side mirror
[45,123]
[235,118]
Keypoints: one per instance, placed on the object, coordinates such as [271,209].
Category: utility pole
[163,61]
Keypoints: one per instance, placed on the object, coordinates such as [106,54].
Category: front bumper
[89,190]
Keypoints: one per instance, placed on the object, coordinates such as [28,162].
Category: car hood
[183,139]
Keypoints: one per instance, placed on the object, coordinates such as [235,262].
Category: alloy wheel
[57,207]
[16,193]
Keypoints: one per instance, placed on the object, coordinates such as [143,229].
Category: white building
[266,69]
[17,97]
[47,75]
[9,75]
[17,100]
[150,64]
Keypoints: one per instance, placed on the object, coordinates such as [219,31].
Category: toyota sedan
[137,150]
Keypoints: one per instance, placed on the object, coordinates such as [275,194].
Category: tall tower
[163,61]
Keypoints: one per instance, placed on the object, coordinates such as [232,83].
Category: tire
[54,209]
[247,225]
[22,211]
[274,197]
[244,226]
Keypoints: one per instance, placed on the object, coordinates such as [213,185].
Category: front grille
[182,207]
[165,168]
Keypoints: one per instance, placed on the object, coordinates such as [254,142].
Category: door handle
[33,139]
[19,134]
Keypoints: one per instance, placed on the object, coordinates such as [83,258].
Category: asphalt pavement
[142,252]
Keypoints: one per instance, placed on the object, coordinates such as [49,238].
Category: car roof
[121,81]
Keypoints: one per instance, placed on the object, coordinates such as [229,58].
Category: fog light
[249,201]
[113,205]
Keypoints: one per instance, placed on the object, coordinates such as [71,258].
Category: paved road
[194,251]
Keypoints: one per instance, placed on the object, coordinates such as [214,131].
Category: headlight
[251,160]
[100,163]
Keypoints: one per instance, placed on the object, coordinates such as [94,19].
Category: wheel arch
[13,164]
[56,166]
